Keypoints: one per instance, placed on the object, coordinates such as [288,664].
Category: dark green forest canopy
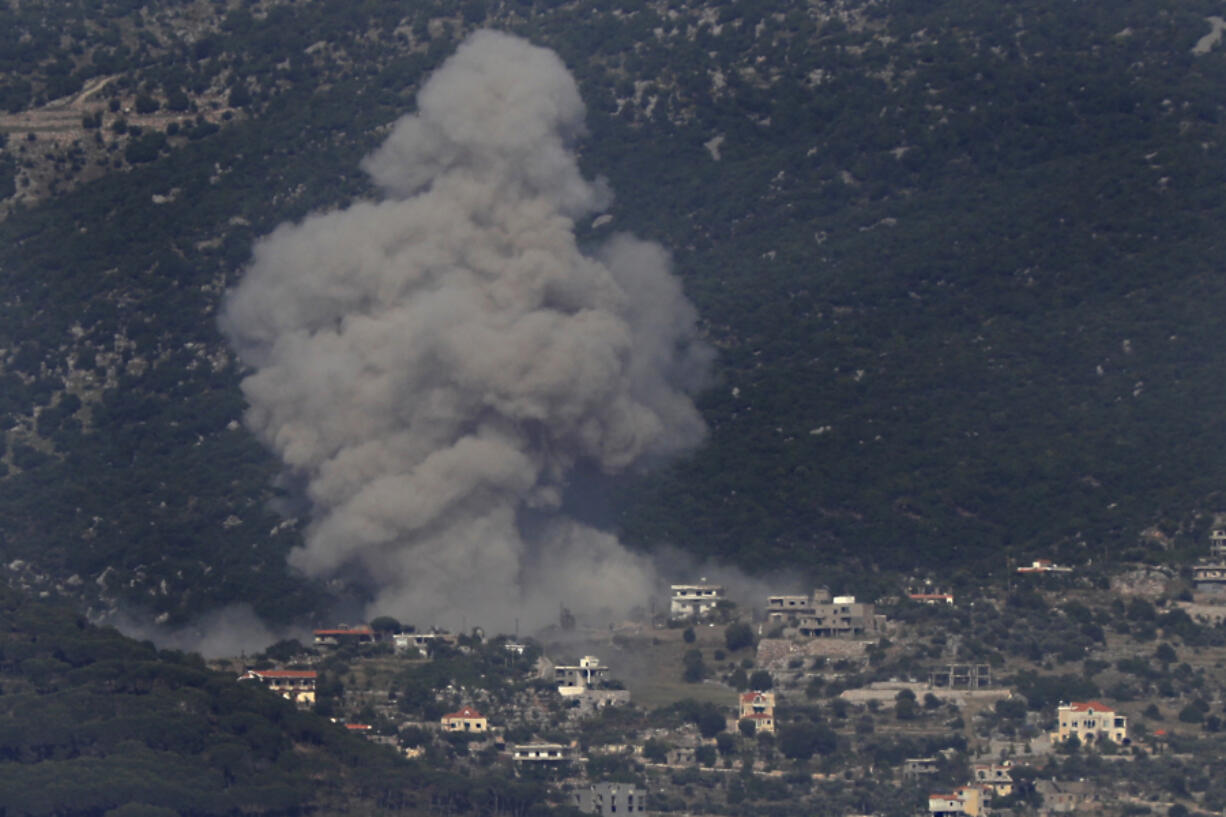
[92,721]
[960,264]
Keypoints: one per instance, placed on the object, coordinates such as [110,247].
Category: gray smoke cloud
[436,362]
[224,632]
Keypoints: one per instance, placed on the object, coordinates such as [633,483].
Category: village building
[781,609]
[422,642]
[1090,721]
[964,800]
[695,601]
[842,617]
[608,799]
[915,767]
[960,676]
[465,719]
[1066,796]
[758,707]
[995,778]
[1217,542]
[586,686]
[574,680]
[342,636]
[1209,576]
[1044,566]
[931,598]
[294,685]
[540,753]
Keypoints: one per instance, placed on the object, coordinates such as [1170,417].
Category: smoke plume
[436,362]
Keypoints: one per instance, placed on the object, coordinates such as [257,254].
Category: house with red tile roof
[759,708]
[964,800]
[1090,721]
[465,719]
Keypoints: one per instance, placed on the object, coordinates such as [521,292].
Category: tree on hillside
[801,741]
[760,681]
[738,635]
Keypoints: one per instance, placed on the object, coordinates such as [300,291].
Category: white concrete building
[694,601]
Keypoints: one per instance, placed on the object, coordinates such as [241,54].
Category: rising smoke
[435,363]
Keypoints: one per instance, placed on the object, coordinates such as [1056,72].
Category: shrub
[738,635]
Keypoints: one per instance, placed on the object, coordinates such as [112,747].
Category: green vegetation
[948,330]
[92,721]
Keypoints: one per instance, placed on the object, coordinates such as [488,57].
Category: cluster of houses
[824,616]
[819,615]
[1090,722]
[996,780]
[586,685]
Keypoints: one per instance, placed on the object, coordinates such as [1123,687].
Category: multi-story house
[340,636]
[541,753]
[964,800]
[781,609]
[1090,721]
[695,601]
[996,778]
[843,616]
[759,707]
[572,680]
[465,719]
[292,684]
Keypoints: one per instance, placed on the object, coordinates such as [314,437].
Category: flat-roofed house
[843,616]
[542,753]
[292,684]
[341,636]
[994,777]
[695,601]
[575,679]
[609,799]
[964,800]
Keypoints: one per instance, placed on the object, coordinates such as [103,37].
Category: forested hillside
[961,263]
[94,723]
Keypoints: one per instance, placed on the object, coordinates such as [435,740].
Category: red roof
[1083,706]
[358,727]
[282,673]
[750,697]
[466,712]
[350,631]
